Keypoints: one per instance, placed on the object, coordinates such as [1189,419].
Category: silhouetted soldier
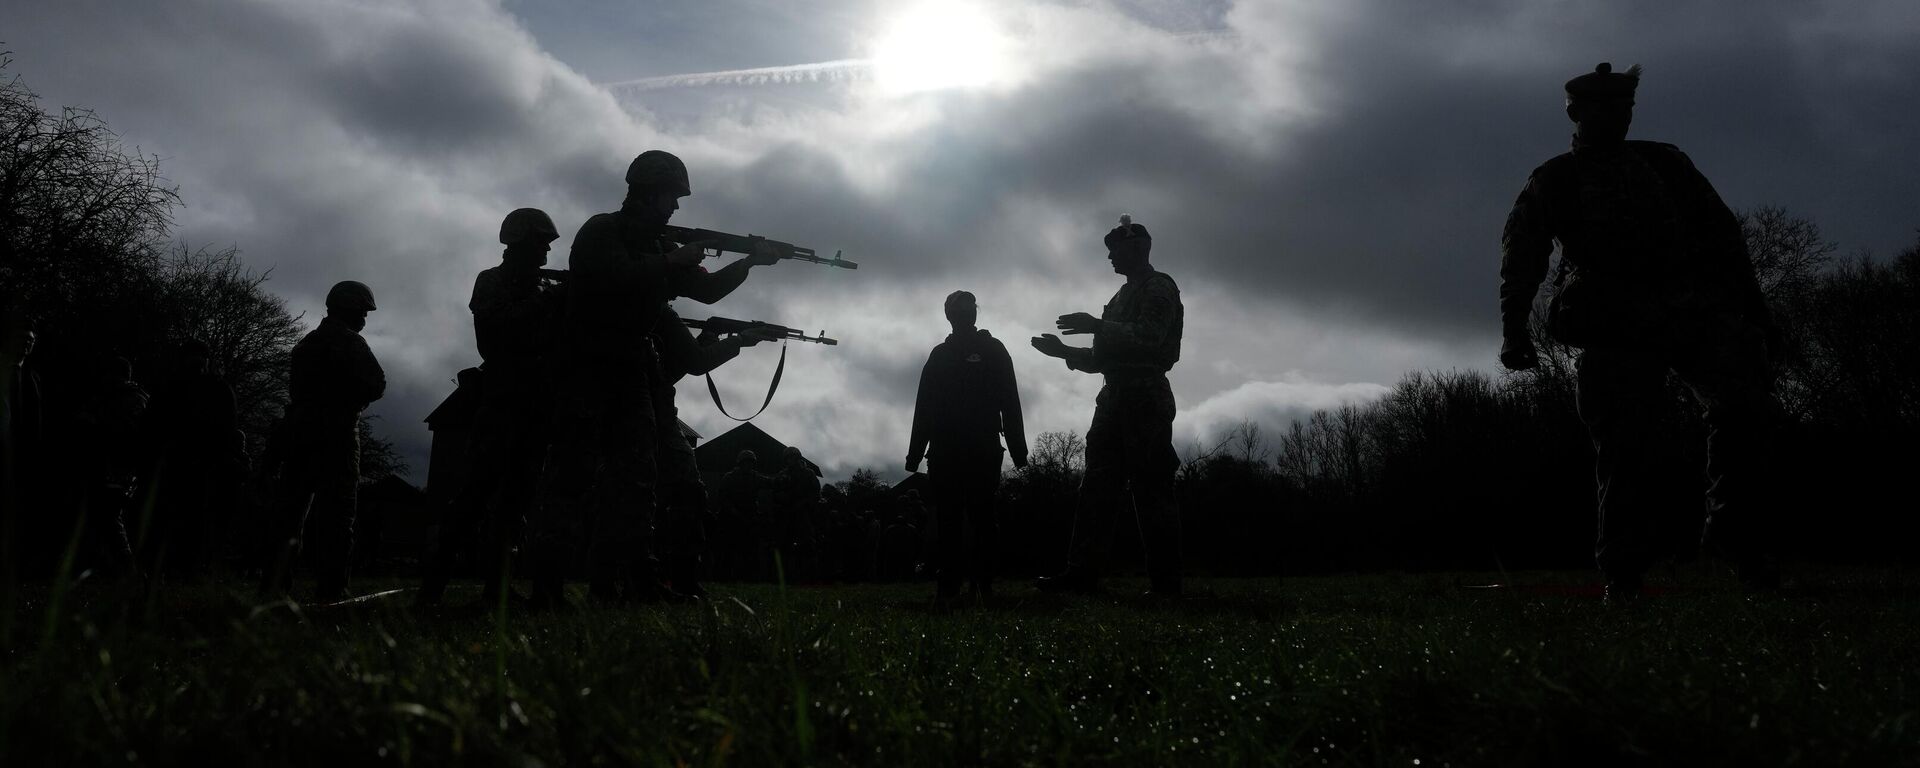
[796,494]
[1136,340]
[21,444]
[108,427]
[515,308]
[745,537]
[1655,277]
[683,501]
[967,399]
[601,467]
[191,422]
[334,379]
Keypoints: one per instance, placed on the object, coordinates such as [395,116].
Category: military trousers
[1130,460]
[507,449]
[597,489]
[684,509]
[965,521]
[1621,392]
[315,500]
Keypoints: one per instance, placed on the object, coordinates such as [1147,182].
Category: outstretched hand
[1020,460]
[1078,322]
[913,464]
[690,254]
[1050,345]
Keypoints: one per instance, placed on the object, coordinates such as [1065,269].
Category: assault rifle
[729,325]
[743,244]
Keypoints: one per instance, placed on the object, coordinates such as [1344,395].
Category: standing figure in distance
[514,306]
[1136,340]
[745,541]
[334,379]
[967,400]
[1654,278]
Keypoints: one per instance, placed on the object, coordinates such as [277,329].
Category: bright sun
[937,45]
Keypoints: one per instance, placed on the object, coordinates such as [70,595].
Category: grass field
[1375,670]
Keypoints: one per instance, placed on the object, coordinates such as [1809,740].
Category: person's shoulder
[1556,166]
[1161,281]
[599,224]
[1659,150]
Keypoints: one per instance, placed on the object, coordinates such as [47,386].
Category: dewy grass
[1359,670]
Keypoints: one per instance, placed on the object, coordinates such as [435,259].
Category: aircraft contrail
[816,72]
[838,70]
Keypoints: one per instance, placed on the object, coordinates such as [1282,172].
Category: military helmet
[525,224]
[746,457]
[350,295]
[1604,83]
[655,170]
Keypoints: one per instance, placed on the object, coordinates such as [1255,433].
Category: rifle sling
[778,371]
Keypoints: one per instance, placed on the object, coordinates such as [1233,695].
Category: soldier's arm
[1159,304]
[685,354]
[1526,245]
[1726,245]
[923,405]
[369,381]
[709,287]
[1081,359]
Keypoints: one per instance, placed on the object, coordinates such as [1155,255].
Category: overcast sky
[1325,180]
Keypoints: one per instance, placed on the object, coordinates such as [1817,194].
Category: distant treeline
[86,248]
[1462,470]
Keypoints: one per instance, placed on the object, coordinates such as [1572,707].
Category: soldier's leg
[330,524]
[946,480]
[1101,490]
[683,507]
[1619,392]
[292,500]
[1150,463]
[559,526]
[514,502]
[984,525]
[624,498]
[461,518]
[1730,377]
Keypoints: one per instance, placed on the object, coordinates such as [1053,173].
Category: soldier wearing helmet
[515,305]
[600,470]
[1654,277]
[334,378]
[1136,340]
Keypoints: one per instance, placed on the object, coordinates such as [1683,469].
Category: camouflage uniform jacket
[967,399]
[1139,336]
[1643,238]
[334,373]
[616,287]
[513,316]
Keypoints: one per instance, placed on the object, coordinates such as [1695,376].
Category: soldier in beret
[1136,340]
[1654,277]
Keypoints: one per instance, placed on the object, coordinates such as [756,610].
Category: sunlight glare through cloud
[938,45]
